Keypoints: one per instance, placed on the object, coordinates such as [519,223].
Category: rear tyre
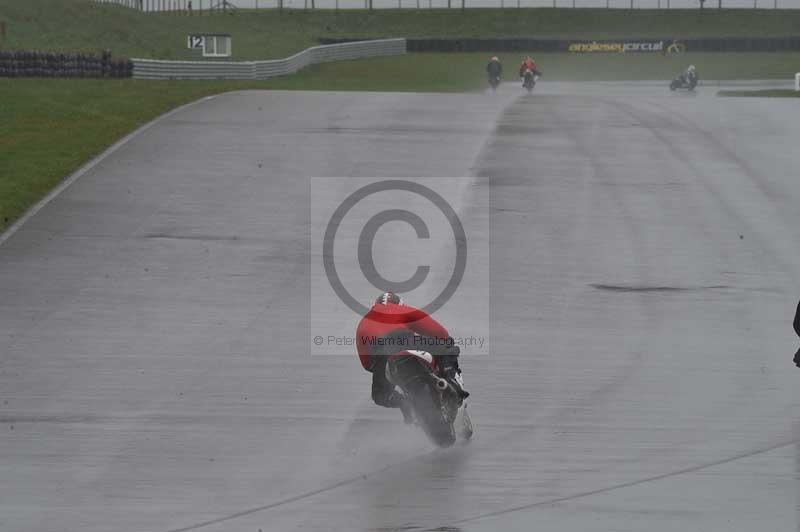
[419,386]
[466,424]
[431,416]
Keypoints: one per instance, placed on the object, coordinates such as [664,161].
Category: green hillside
[264,34]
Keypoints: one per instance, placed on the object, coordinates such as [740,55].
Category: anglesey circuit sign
[620,47]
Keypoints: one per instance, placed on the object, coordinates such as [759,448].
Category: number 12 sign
[196,41]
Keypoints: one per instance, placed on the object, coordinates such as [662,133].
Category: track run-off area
[155,365]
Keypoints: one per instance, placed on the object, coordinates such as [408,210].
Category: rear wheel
[431,415]
[529,83]
[418,384]
[465,426]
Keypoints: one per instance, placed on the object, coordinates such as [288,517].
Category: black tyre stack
[37,64]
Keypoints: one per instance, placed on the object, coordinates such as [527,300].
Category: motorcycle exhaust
[441,384]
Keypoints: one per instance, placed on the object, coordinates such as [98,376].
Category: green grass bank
[265,34]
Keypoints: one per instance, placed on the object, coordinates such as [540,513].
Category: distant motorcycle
[529,79]
[494,70]
[438,407]
[686,81]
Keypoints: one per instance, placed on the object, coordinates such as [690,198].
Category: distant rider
[391,327]
[494,69]
[690,76]
[528,64]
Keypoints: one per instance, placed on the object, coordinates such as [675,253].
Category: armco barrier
[254,70]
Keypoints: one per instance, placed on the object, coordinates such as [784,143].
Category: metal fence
[256,70]
[199,7]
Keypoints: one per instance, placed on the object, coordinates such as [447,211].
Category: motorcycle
[437,406]
[684,81]
[529,79]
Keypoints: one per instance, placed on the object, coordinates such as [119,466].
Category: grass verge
[465,72]
[772,93]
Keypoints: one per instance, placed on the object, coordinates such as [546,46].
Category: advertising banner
[619,46]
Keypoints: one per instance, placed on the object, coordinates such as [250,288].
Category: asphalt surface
[157,370]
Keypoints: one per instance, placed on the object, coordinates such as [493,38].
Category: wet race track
[157,375]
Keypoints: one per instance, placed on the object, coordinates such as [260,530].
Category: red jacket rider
[527,64]
[391,327]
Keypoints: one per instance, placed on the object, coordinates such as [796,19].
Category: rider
[527,64]
[494,68]
[391,327]
[690,74]
[797,330]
